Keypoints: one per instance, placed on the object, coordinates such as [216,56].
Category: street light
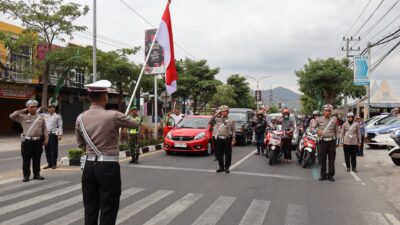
[257,83]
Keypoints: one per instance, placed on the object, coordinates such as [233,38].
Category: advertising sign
[258,96]
[15,91]
[361,70]
[155,64]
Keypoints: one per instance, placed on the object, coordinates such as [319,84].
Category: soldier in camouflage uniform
[134,134]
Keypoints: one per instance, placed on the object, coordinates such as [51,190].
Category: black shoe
[348,169]
[54,167]
[355,170]
[322,178]
[227,170]
[132,161]
[331,179]
[26,179]
[38,177]
[136,162]
[219,170]
[47,167]
[257,153]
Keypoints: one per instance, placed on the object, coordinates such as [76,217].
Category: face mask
[286,116]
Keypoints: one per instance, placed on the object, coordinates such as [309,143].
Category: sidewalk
[13,143]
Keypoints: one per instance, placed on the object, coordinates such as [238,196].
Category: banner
[361,70]
[14,91]
[155,64]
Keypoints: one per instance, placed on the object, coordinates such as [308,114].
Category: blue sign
[361,70]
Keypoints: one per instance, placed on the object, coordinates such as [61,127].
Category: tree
[328,80]
[51,19]
[273,109]
[308,104]
[242,91]
[225,95]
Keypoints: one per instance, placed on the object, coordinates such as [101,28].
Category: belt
[327,138]
[223,137]
[103,158]
[32,138]
[53,133]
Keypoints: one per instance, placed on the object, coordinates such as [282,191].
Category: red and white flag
[165,39]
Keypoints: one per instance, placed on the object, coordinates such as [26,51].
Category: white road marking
[392,219]
[374,218]
[242,160]
[19,157]
[296,215]
[38,199]
[79,214]
[19,185]
[172,211]
[214,213]
[256,213]
[140,205]
[9,180]
[355,176]
[32,190]
[213,171]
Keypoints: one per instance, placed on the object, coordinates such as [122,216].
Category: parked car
[295,139]
[379,135]
[378,121]
[191,134]
[244,130]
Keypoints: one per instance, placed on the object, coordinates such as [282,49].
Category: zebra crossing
[23,204]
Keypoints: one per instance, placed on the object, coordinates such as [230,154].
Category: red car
[191,134]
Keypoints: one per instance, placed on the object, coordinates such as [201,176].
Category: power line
[149,23]
[103,42]
[355,21]
[109,39]
[390,23]
[365,22]
[377,63]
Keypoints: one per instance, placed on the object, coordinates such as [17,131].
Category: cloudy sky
[254,37]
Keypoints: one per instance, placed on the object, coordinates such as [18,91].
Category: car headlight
[169,135]
[200,136]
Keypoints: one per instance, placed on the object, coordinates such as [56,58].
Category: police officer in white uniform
[54,125]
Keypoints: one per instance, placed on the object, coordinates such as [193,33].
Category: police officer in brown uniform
[351,138]
[97,133]
[328,134]
[33,138]
[225,136]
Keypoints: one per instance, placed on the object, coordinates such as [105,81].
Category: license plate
[180,145]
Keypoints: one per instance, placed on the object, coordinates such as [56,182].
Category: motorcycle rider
[288,127]
[351,138]
[259,125]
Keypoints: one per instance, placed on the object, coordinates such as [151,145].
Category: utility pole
[270,96]
[366,109]
[94,43]
[348,50]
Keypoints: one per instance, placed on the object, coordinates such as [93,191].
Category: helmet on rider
[260,112]
[316,113]
[285,111]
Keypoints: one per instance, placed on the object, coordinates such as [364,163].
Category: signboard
[15,91]
[361,70]
[155,64]
[258,96]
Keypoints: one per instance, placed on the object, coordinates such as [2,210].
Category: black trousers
[260,141]
[361,149]
[287,147]
[327,150]
[52,150]
[224,152]
[101,188]
[134,146]
[31,151]
[350,153]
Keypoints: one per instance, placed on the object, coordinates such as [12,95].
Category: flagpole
[141,73]
[155,106]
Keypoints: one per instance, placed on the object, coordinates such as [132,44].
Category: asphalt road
[184,189]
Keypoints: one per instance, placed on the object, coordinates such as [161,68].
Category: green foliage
[75,153]
[273,109]
[308,104]
[225,96]
[241,91]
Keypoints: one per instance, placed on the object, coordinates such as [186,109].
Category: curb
[65,161]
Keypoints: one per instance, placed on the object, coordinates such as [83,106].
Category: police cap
[31,103]
[224,108]
[99,86]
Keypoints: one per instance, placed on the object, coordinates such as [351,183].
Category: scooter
[274,149]
[394,146]
[307,152]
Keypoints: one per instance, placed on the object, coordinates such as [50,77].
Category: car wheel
[396,161]
[209,148]
[168,152]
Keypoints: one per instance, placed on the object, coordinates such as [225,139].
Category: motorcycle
[274,149]
[394,146]
[307,150]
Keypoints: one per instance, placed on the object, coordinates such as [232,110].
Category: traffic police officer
[97,132]
[54,125]
[328,134]
[33,138]
[351,138]
[225,136]
[134,136]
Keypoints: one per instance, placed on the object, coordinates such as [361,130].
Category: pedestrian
[288,125]
[54,126]
[351,139]
[97,134]
[328,132]
[176,116]
[362,132]
[225,137]
[33,138]
[259,125]
[134,135]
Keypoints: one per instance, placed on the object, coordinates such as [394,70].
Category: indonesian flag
[166,41]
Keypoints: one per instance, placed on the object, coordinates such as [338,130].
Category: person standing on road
[225,137]
[328,133]
[360,151]
[134,134]
[218,115]
[351,139]
[259,125]
[33,138]
[288,127]
[54,125]
[97,134]
[176,116]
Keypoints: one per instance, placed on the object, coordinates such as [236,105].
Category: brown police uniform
[32,145]
[351,137]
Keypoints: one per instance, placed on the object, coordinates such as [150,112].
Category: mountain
[282,95]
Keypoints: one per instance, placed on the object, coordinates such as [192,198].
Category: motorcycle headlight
[200,136]
[169,135]
[309,145]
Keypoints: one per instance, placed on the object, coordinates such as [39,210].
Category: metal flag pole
[94,43]
[141,73]
[155,106]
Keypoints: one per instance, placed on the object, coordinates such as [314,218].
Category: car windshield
[395,123]
[386,120]
[193,122]
[238,117]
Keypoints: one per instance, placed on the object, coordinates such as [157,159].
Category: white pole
[94,43]
[141,73]
[368,86]
[155,106]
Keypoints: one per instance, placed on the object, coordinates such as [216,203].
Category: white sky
[253,37]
